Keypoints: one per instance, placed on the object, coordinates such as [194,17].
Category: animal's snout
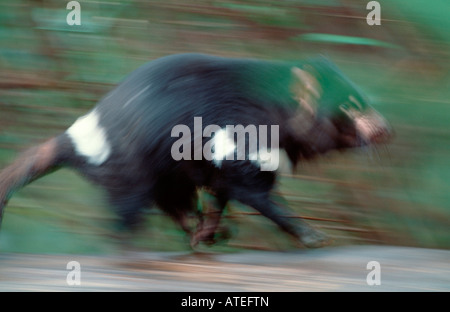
[373,128]
[382,135]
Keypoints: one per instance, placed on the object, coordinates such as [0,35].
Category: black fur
[222,92]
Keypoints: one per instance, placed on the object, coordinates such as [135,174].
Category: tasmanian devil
[191,121]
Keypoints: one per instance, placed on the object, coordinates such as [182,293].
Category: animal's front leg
[282,216]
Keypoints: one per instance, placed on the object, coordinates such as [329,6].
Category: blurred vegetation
[51,73]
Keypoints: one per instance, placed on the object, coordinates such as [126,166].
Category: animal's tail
[31,165]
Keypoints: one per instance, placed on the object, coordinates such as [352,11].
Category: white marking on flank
[223,146]
[89,139]
[135,96]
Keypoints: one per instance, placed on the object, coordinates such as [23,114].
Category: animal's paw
[210,236]
[312,238]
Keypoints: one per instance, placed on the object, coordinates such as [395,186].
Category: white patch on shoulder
[223,146]
[285,165]
[89,139]
[272,160]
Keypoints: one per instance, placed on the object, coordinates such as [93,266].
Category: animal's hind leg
[176,197]
[213,207]
[128,207]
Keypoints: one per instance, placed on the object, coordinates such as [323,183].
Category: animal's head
[334,113]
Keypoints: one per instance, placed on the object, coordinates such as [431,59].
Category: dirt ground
[324,270]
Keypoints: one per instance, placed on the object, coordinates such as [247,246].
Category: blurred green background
[399,194]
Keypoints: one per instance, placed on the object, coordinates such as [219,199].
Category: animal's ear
[305,88]
[306,81]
